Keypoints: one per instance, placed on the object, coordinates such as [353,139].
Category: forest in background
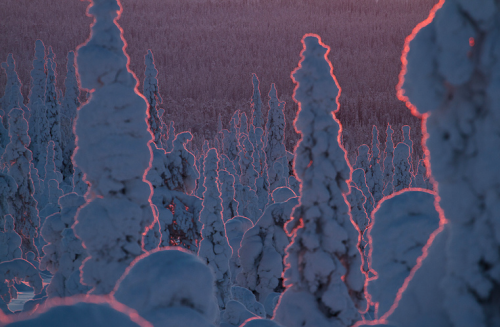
[206,53]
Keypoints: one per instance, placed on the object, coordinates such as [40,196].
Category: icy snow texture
[70,103]
[22,205]
[402,168]
[453,76]
[10,241]
[114,153]
[17,270]
[235,228]
[262,251]
[388,165]
[256,103]
[374,179]
[152,94]
[401,226]
[275,136]
[81,312]
[214,247]
[170,287]
[323,264]
[38,118]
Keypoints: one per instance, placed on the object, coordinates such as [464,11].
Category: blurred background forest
[206,52]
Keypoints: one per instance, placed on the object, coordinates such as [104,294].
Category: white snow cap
[282,194]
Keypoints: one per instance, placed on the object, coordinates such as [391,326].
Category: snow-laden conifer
[170,287]
[262,251]
[374,178]
[248,174]
[152,94]
[421,179]
[22,205]
[243,123]
[259,162]
[70,103]
[8,187]
[114,153]
[229,204]
[325,285]
[359,179]
[236,227]
[275,136]
[410,213]
[256,104]
[201,169]
[12,98]
[407,140]
[36,98]
[402,173]
[214,247]
[388,165]
[52,108]
[171,137]
[363,160]
[10,241]
[53,194]
[451,74]
[357,202]
[248,202]
[183,172]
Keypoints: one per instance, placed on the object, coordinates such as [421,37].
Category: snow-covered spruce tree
[114,153]
[363,160]
[388,165]
[8,187]
[325,284]
[359,179]
[170,287]
[402,173]
[54,193]
[248,202]
[169,146]
[214,247]
[374,178]
[262,251]
[229,204]
[64,252]
[248,174]
[275,136]
[200,189]
[357,202]
[421,179]
[36,98]
[152,94]
[256,104]
[243,123]
[22,205]
[50,168]
[70,103]
[236,227]
[259,162]
[12,97]
[183,172]
[392,257]
[52,108]
[451,76]
[10,241]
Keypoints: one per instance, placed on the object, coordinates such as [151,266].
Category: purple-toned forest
[250,163]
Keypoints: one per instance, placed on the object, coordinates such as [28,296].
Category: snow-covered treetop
[375,143]
[243,123]
[152,94]
[38,78]
[183,172]
[275,128]
[256,102]
[323,263]
[363,161]
[12,97]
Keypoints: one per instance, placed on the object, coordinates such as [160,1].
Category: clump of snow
[170,287]
[113,152]
[257,322]
[7,187]
[401,226]
[235,314]
[363,160]
[235,229]
[325,284]
[282,194]
[247,298]
[10,241]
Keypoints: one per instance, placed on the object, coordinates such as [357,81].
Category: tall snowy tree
[451,76]
[52,108]
[12,98]
[214,247]
[22,204]
[402,173]
[36,96]
[374,175]
[243,123]
[275,136]
[388,165]
[325,285]
[152,94]
[363,160]
[248,174]
[407,140]
[114,153]
[256,104]
[70,103]
[229,204]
